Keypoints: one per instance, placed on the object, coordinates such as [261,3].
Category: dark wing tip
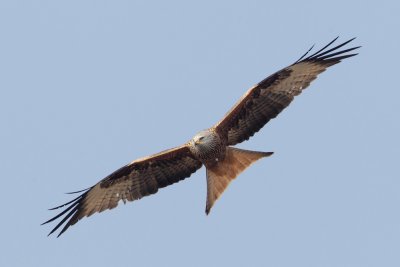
[306,53]
[330,55]
[79,191]
[70,211]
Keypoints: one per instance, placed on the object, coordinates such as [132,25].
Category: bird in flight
[212,147]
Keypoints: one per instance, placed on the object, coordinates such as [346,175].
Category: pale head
[205,144]
[203,137]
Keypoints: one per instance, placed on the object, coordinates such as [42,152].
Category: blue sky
[88,86]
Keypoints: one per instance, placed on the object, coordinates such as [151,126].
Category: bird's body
[223,163]
[212,147]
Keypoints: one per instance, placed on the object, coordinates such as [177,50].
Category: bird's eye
[201,138]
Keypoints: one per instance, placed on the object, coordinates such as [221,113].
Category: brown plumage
[223,172]
[210,147]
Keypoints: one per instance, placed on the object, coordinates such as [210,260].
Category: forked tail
[220,175]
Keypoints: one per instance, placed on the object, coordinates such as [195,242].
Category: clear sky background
[88,86]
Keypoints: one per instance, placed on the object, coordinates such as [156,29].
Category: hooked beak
[198,141]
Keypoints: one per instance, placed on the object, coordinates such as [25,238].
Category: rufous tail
[221,174]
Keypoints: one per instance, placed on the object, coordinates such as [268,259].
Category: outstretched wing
[267,99]
[139,178]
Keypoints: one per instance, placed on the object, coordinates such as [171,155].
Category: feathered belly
[209,156]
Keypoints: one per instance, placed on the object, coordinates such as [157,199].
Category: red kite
[212,148]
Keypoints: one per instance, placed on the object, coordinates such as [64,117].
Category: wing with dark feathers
[137,179]
[268,98]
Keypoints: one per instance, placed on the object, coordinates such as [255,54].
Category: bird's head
[202,138]
[205,144]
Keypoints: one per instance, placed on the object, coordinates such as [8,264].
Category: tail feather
[220,175]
